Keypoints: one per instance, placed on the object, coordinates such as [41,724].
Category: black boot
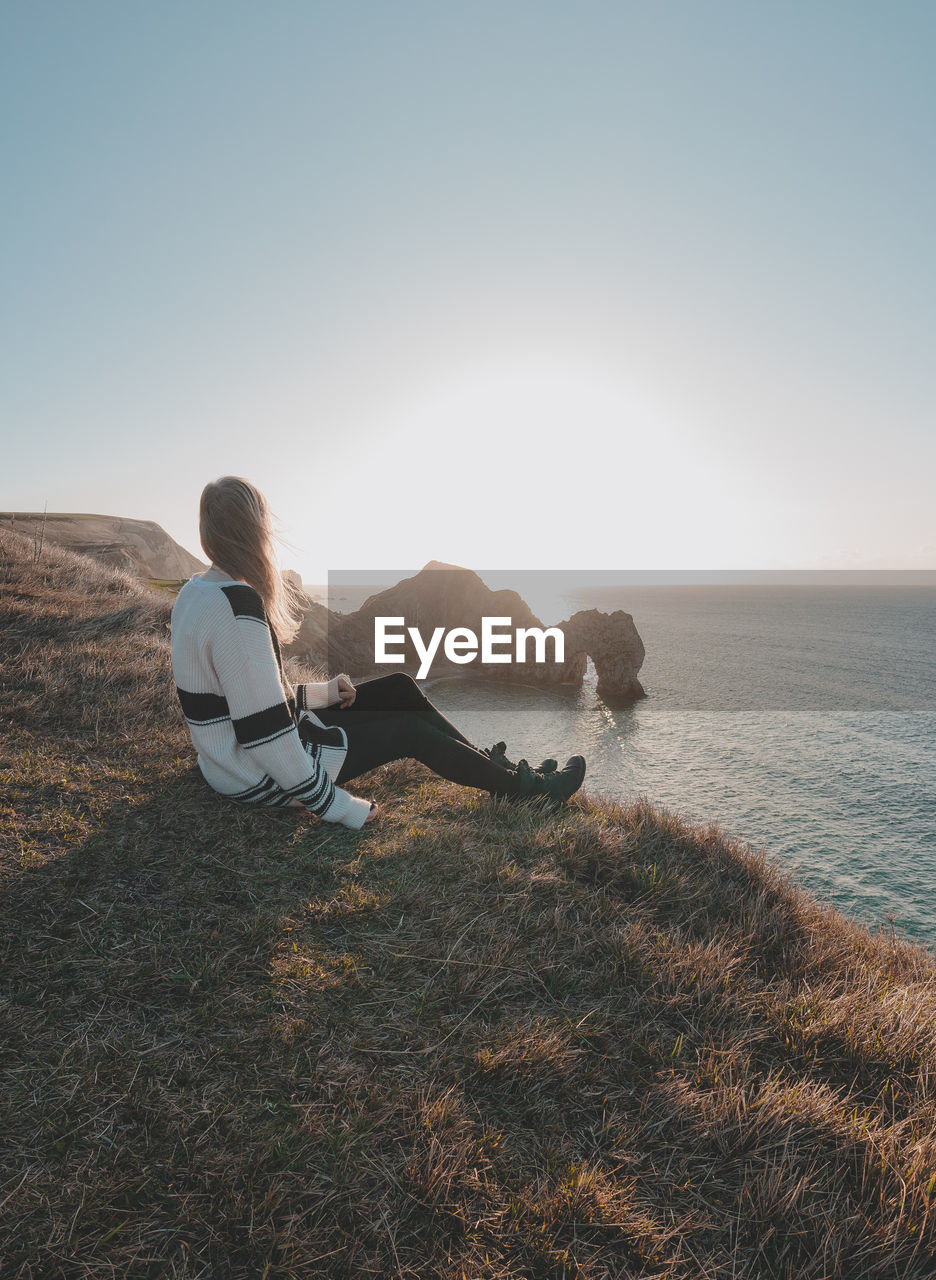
[553,789]
[498,753]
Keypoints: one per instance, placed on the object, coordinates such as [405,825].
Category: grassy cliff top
[468,1042]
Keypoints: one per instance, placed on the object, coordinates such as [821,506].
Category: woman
[262,741]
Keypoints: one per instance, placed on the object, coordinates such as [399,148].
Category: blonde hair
[235,525]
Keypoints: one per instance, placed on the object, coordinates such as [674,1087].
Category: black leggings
[392,719]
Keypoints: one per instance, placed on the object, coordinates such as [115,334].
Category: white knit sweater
[256,737]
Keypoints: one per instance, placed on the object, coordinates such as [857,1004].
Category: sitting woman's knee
[404,687]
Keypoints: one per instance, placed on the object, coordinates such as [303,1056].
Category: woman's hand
[346,692]
[373,813]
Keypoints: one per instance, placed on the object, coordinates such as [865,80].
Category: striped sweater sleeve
[244,660]
[317,694]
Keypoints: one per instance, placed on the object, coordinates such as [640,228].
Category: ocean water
[800,718]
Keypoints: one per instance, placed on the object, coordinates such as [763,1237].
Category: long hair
[235,525]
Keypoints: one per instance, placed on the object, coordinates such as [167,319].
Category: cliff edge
[140,547]
[470,1040]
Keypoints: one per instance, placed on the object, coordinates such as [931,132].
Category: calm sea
[800,718]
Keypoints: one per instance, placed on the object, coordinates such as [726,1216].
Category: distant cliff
[140,547]
[447,596]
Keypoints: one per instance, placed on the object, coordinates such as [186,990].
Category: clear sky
[625,284]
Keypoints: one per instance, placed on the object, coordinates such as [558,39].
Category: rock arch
[612,642]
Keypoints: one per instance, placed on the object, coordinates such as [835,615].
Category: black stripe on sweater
[317,794]
[245,602]
[273,796]
[203,708]
[263,726]
[276,650]
[260,793]
[320,735]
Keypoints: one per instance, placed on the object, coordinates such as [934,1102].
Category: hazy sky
[598,285]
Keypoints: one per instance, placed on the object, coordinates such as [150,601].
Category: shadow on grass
[147,1083]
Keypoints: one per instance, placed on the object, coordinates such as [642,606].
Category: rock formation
[447,596]
[612,642]
[138,546]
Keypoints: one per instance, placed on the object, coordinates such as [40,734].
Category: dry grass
[471,1042]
